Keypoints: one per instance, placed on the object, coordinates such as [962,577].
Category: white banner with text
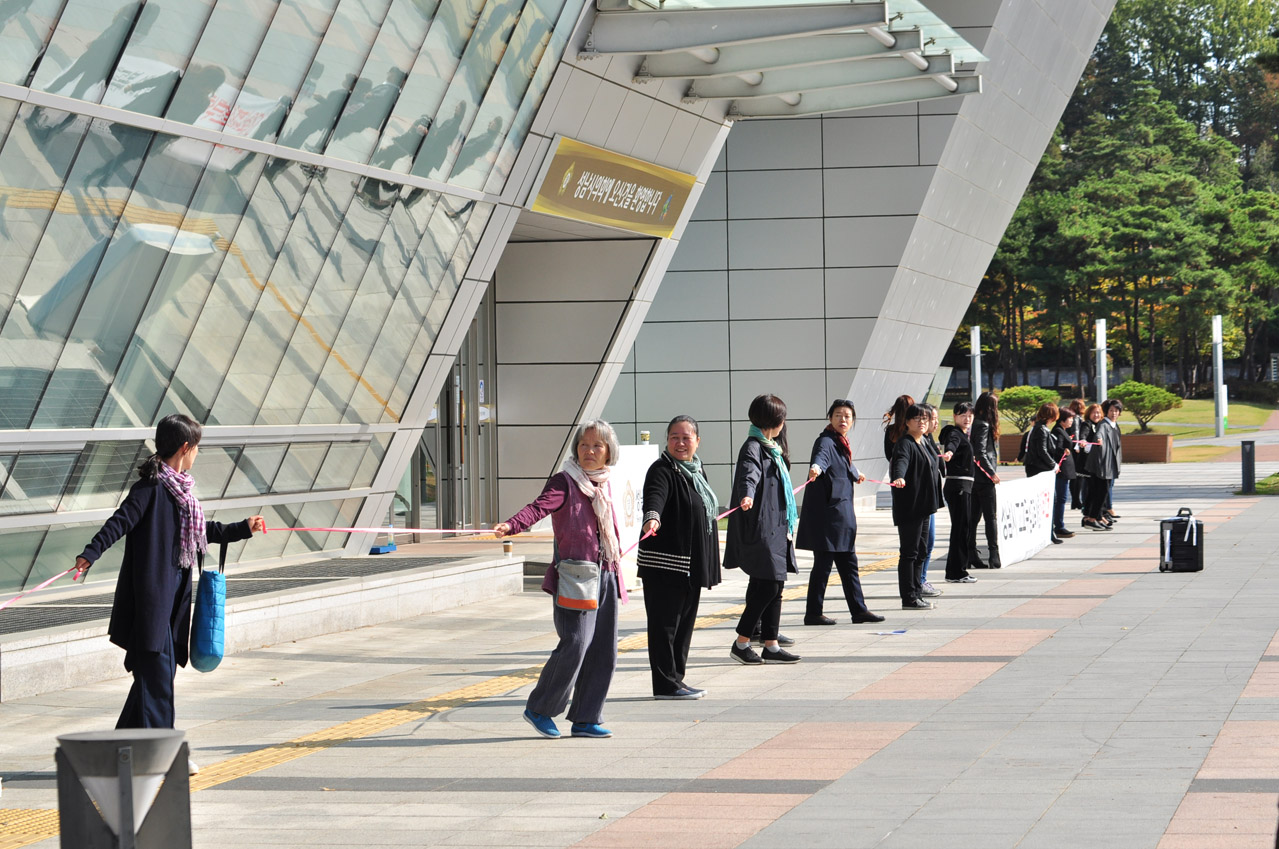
[1025,509]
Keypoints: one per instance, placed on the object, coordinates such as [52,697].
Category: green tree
[1019,404]
[1144,401]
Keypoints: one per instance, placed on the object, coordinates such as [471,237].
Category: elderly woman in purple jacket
[579,501]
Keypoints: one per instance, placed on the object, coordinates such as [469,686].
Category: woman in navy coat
[827,523]
[165,538]
[761,531]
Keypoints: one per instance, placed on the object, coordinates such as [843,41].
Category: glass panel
[183,289]
[25,27]
[316,514]
[261,352]
[315,335]
[267,546]
[332,80]
[123,283]
[254,470]
[216,463]
[86,46]
[6,460]
[34,182]
[365,319]
[279,67]
[300,466]
[61,547]
[514,74]
[240,284]
[437,61]
[467,88]
[435,308]
[341,464]
[71,251]
[102,475]
[211,85]
[17,553]
[398,43]
[524,116]
[371,460]
[36,483]
[156,55]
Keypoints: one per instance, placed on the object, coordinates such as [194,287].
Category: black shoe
[744,656]
[917,604]
[779,656]
[818,620]
[684,693]
[1064,534]
[1111,515]
[782,639]
[867,618]
[978,565]
[1056,540]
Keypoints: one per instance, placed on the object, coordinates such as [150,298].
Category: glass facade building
[253,212]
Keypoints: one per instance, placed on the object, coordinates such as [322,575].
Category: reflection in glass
[63,544]
[87,44]
[17,553]
[370,461]
[71,250]
[340,466]
[156,55]
[25,26]
[333,85]
[315,514]
[300,466]
[215,465]
[255,470]
[210,89]
[437,61]
[479,62]
[36,482]
[102,475]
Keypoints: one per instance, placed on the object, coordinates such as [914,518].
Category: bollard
[124,789]
[1248,454]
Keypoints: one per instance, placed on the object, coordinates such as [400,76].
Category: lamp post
[1218,378]
[1101,360]
[974,344]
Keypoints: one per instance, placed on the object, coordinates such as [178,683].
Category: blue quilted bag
[208,624]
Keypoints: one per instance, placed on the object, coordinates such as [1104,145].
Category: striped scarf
[194,534]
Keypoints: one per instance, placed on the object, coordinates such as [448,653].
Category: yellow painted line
[20,828]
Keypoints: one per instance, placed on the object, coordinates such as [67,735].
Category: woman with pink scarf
[165,539]
[579,501]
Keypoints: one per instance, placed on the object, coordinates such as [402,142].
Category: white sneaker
[192,767]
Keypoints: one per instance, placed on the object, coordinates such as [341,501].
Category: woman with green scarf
[680,559]
[761,534]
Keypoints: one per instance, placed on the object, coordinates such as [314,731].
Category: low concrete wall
[70,656]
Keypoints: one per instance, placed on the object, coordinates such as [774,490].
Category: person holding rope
[958,492]
[1063,449]
[761,533]
[827,523]
[1097,468]
[678,555]
[165,539]
[1039,451]
[916,482]
[577,499]
[984,437]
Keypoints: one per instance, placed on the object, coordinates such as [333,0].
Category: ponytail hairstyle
[895,418]
[767,412]
[171,434]
[987,409]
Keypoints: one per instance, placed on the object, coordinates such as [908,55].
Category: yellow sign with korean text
[596,186]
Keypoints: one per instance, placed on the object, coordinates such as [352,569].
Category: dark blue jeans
[1059,503]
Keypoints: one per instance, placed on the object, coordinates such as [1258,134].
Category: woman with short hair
[1062,447]
[680,559]
[916,497]
[984,437]
[1039,449]
[827,522]
[761,532]
[578,500]
[1097,468]
[958,492]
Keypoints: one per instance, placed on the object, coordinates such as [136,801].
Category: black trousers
[845,563]
[913,539]
[960,554]
[982,509]
[763,608]
[1076,491]
[670,600]
[1095,497]
[150,701]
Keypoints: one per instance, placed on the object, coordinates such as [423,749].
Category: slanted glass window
[17,553]
[254,470]
[22,35]
[341,465]
[86,46]
[210,87]
[300,466]
[213,469]
[102,474]
[156,56]
[36,482]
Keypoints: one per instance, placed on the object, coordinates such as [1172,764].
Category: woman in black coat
[1063,447]
[1041,458]
[916,497]
[958,492]
[827,523]
[680,559]
[985,441]
[761,532]
[165,538]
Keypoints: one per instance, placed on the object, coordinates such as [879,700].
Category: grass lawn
[1266,486]
[1199,411]
[1198,453]
[1188,431]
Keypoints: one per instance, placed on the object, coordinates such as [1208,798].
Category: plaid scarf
[194,533]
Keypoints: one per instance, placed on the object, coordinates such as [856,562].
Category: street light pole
[1218,379]
[1101,360]
[974,357]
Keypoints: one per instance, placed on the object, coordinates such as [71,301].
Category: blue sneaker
[590,729]
[543,724]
